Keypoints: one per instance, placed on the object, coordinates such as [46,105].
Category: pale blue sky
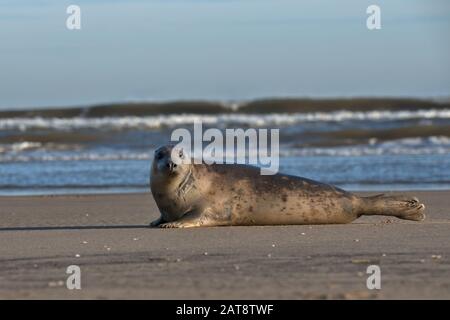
[228,50]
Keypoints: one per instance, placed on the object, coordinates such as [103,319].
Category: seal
[202,195]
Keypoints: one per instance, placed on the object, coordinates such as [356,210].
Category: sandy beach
[119,257]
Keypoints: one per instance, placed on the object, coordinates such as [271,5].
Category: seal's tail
[403,207]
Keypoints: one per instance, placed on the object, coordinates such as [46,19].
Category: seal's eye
[159,156]
[180,154]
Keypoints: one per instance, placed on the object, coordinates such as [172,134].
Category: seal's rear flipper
[403,207]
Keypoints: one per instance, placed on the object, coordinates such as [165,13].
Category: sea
[358,145]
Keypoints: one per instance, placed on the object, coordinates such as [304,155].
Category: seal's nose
[171,165]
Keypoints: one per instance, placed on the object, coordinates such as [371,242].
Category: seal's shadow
[43,228]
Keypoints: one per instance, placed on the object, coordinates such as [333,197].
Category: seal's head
[170,162]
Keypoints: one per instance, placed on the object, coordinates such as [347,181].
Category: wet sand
[119,257]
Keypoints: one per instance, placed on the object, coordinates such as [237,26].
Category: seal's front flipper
[193,218]
[403,207]
[157,222]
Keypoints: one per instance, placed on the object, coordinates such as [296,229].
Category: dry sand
[106,235]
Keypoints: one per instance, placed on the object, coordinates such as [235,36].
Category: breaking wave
[173,120]
[29,152]
[407,146]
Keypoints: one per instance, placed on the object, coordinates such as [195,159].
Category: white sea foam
[79,156]
[173,120]
[408,146]
[438,145]
[19,146]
